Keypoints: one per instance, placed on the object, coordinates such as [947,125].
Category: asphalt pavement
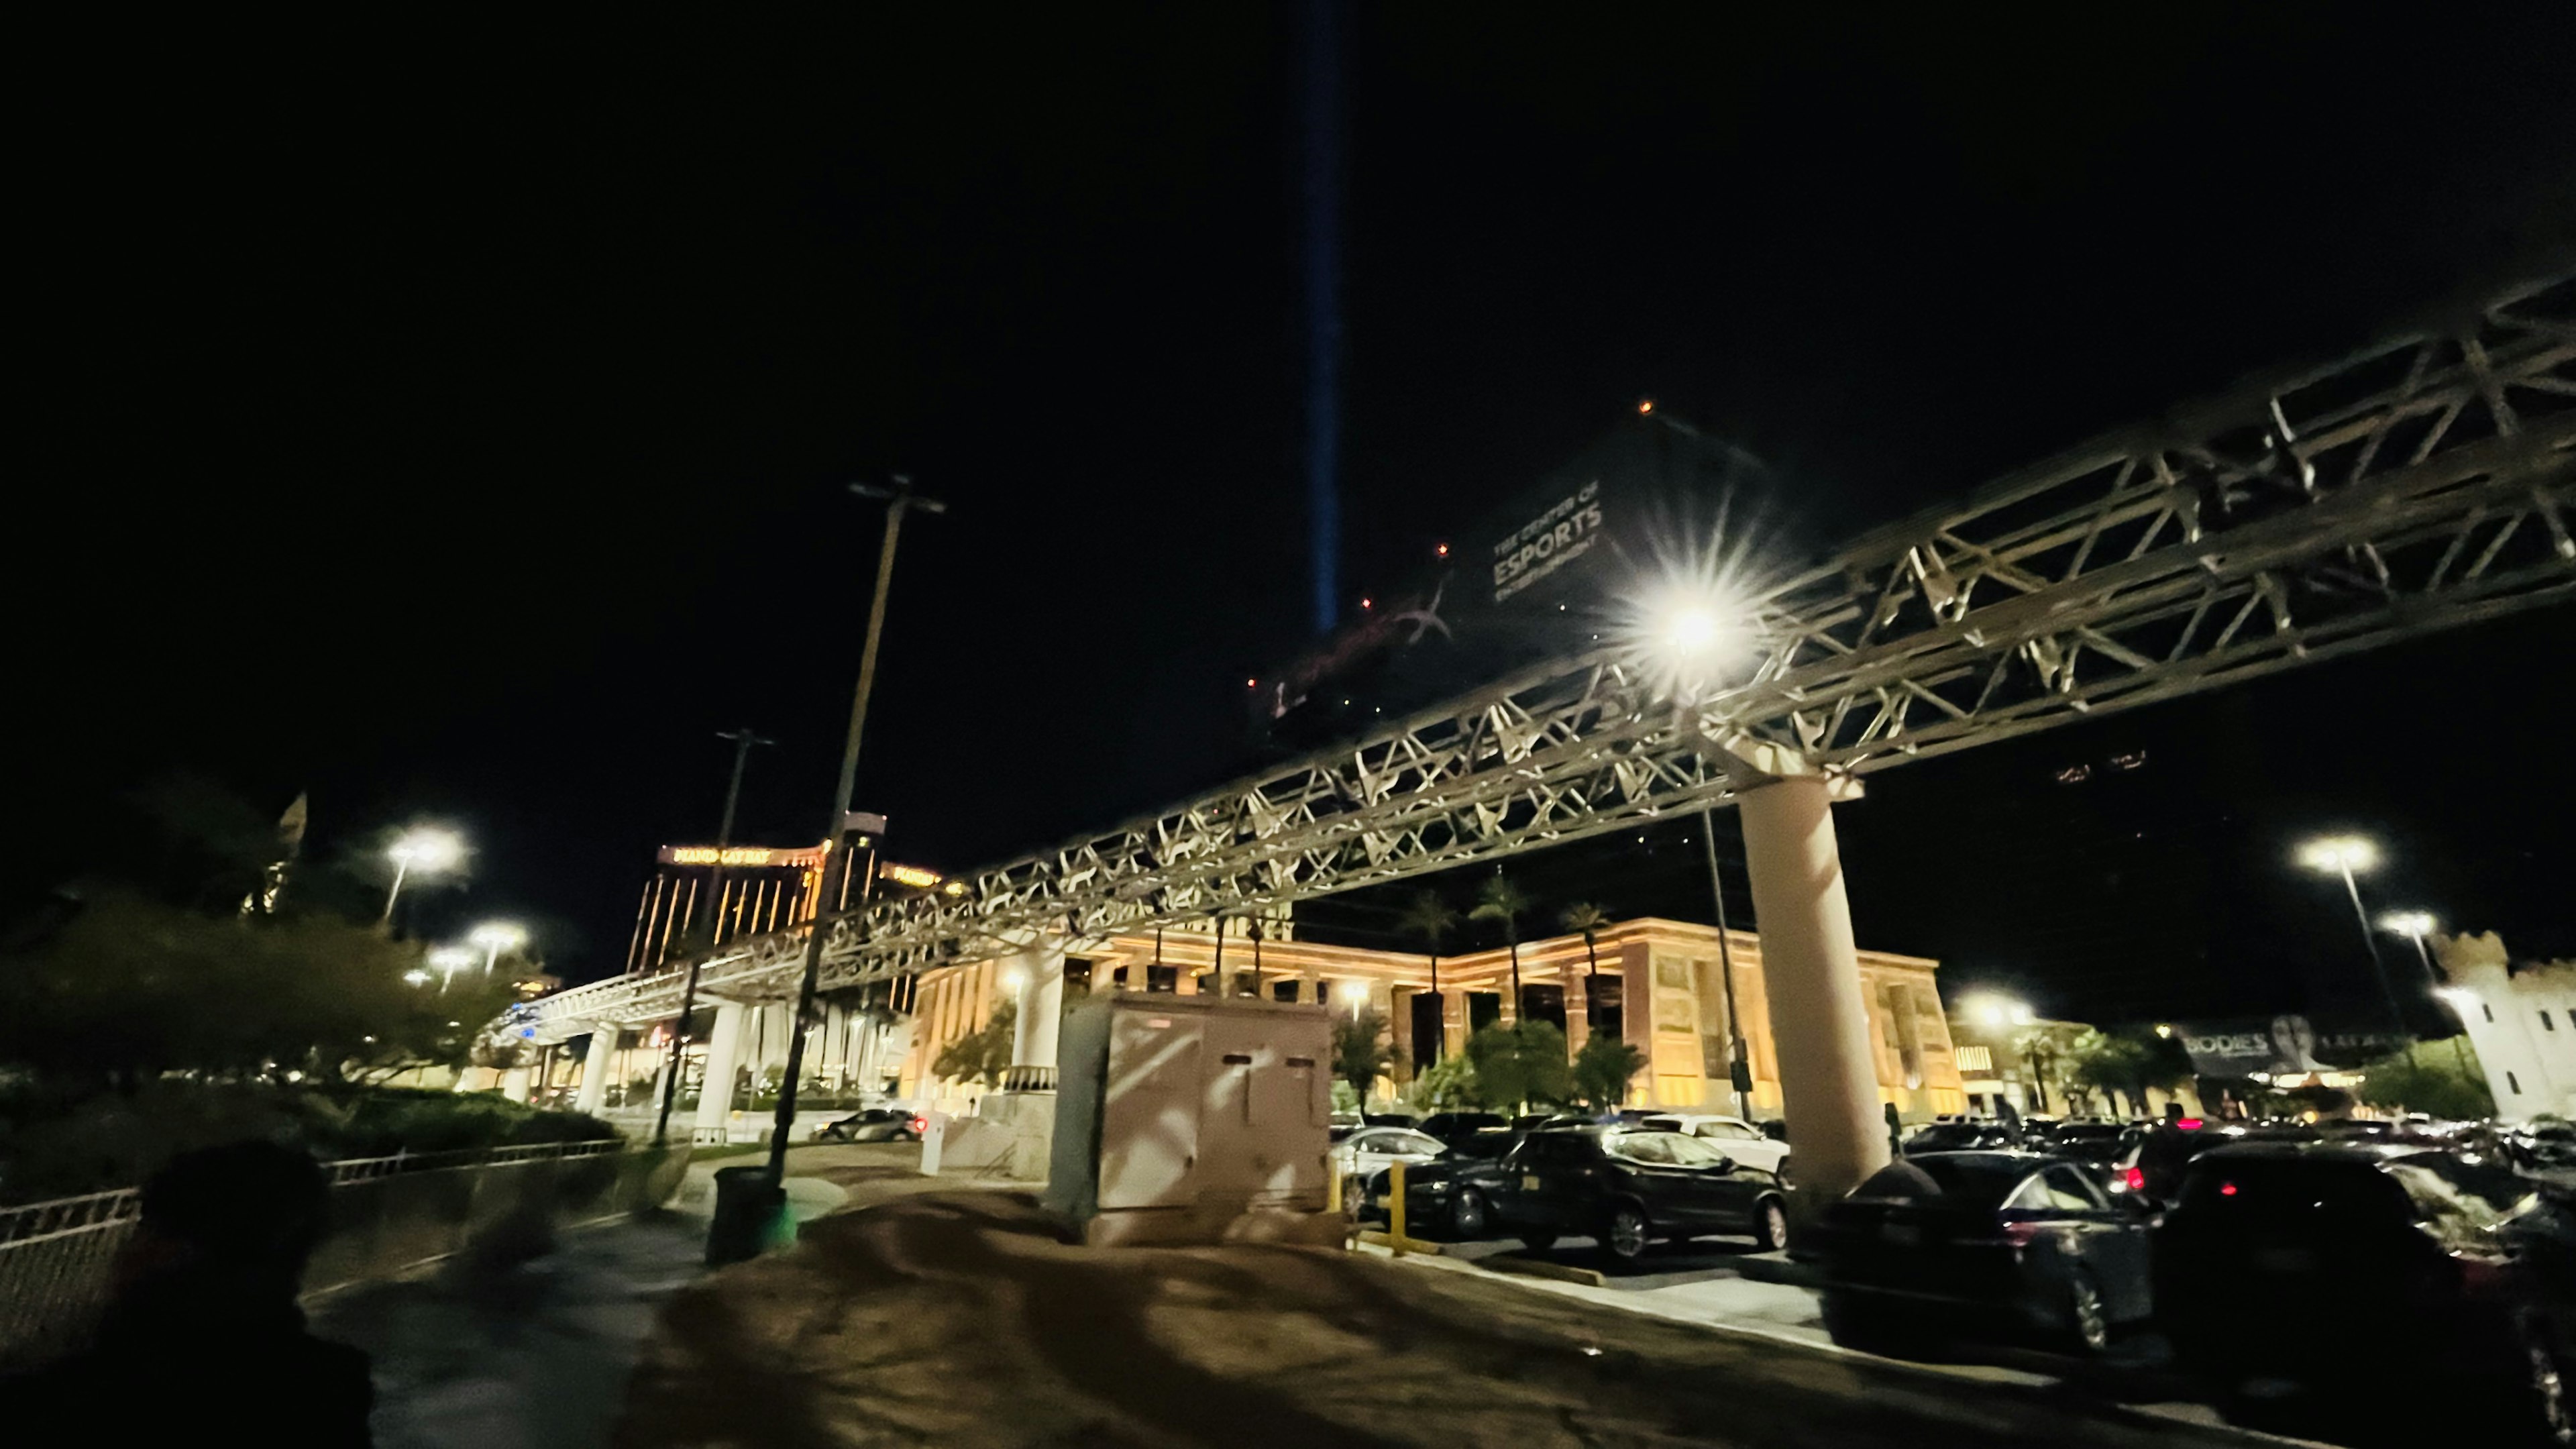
[538,1353]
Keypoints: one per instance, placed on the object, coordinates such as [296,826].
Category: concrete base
[1009,1137]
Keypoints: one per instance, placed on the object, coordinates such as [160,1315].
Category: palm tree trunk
[1515,939]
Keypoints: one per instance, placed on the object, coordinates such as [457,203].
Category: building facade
[2521,1018]
[1661,985]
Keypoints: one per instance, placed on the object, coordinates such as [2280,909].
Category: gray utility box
[1193,1119]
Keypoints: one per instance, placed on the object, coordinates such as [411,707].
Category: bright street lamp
[416,977]
[496,937]
[2343,855]
[425,850]
[448,960]
[1988,1009]
[1356,993]
[2415,926]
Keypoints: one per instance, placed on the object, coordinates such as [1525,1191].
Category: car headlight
[1437,1185]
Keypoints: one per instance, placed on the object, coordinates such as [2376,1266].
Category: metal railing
[1028,1079]
[57,1257]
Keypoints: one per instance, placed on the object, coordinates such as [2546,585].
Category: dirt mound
[965,1319]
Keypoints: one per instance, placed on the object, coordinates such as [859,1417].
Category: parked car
[1981,1244]
[876,1124]
[1962,1136]
[1364,1154]
[2102,1147]
[2154,1167]
[1451,1126]
[2319,1265]
[2543,1146]
[1624,1187]
[1733,1136]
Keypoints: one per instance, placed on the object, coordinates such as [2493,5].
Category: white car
[1369,1151]
[1733,1136]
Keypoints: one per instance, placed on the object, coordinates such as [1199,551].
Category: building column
[1040,1005]
[1819,1015]
[724,1048]
[514,1083]
[595,1070]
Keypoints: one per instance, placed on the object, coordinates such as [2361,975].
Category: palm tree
[1586,919]
[1429,917]
[1503,901]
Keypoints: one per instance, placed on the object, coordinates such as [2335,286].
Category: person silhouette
[202,1336]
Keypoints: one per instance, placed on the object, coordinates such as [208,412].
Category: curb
[2185,1431]
[1534,1268]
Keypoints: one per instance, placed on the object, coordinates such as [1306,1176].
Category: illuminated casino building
[765,888]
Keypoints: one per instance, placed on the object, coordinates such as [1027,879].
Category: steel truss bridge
[2424,483]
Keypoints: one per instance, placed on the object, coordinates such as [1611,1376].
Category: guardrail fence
[388,1214]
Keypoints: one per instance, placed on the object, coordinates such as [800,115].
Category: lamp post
[447,961]
[1739,1070]
[1356,993]
[496,937]
[743,739]
[2415,926]
[2344,855]
[899,500]
[427,851]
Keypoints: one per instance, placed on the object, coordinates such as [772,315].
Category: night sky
[455,424]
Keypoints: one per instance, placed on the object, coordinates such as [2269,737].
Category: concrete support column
[514,1083]
[724,1051]
[1819,1015]
[1041,1005]
[595,1070]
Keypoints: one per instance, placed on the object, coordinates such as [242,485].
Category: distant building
[2521,1017]
[1659,984]
[766,888]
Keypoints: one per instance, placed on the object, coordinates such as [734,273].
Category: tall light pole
[496,937]
[448,960]
[424,850]
[743,739]
[1739,1071]
[2344,855]
[2415,926]
[899,500]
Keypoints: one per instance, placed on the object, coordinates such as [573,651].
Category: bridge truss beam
[2425,483]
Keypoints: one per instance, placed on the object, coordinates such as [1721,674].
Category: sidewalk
[538,1354]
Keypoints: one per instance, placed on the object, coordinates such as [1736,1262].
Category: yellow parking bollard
[1395,1207]
[1333,1191]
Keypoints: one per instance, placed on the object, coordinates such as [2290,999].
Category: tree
[1521,1065]
[1431,918]
[2045,1048]
[1503,901]
[1447,1085]
[127,988]
[1363,1051]
[2428,1079]
[2123,1064]
[1603,1069]
[1586,920]
[984,1054]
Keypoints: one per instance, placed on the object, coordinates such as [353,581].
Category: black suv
[2298,1274]
[1621,1186]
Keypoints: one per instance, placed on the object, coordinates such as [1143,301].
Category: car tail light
[919,1123]
[2133,1178]
[2227,1189]
[2187,1124]
[2480,1277]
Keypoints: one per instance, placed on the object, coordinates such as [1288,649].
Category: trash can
[747,1213]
